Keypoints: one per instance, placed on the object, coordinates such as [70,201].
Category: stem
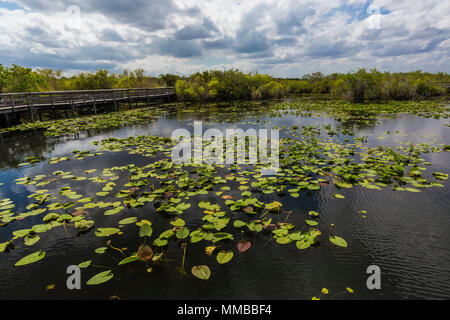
[184,255]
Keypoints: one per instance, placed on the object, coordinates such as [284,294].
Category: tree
[169,79]
[2,78]
[20,79]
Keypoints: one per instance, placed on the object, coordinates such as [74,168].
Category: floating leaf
[314,213]
[100,278]
[21,233]
[303,244]
[283,240]
[31,239]
[145,252]
[105,232]
[239,224]
[31,258]
[249,209]
[128,260]
[160,242]
[128,220]
[243,245]
[113,211]
[182,233]
[84,225]
[85,264]
[177,222]
[224,256]
[145,230]
[101,250]
[4,245]
[202,272]
[338,241]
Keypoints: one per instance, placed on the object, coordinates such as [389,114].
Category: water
[406,234]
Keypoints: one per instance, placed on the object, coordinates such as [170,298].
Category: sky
[284,38]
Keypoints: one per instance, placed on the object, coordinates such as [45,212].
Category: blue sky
[285,38]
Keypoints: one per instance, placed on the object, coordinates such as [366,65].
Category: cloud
[197,31]
[176,48]
[283,37]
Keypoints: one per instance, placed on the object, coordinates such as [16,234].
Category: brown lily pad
[145,253]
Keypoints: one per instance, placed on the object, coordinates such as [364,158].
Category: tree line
[358,86]
[215,85]
[21,79]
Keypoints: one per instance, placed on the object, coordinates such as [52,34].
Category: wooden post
[148,96]
[115,102]
[53,106]
[12,103]
[7,120]
[129,99]
[51,100]
[95,107]
[136,100]
[30,108]
[72,105]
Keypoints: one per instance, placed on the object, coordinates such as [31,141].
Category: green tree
[20,79]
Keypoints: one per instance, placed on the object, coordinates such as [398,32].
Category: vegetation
[353,87]
[20,79]
[215,85]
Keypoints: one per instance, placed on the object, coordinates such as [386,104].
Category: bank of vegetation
[358,86]
[215,85]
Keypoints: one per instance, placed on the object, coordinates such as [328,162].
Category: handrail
[51,98]
[82,91]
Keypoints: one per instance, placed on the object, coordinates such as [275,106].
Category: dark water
[406,234]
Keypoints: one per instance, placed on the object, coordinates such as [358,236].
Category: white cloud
[281,37]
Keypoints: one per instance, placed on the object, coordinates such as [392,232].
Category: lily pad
[31,258]
[338,241]
[105,232]
[202,272]
[100,278]
[224,256]
[243,245]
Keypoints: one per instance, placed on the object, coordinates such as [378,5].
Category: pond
[355,188]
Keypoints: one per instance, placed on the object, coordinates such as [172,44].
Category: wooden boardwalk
[34,103]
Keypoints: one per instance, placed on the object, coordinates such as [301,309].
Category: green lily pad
[100,278]
[128,260]
[85,264]
[202,272]
[182,233]
[31,258]
[224,256]
[338,241]
[128,220]
[105,232]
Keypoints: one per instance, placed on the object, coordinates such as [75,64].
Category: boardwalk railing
[444,84]
[33,101]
